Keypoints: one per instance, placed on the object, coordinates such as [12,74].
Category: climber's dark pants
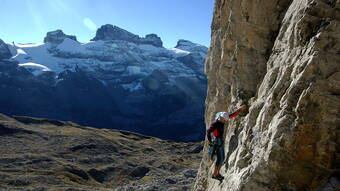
[219,152]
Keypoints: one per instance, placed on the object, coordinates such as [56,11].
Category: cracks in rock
[272,38]
[283,7]
[245,95]
[314,27]
[320,13]
[282,86]
[233,144]
[331,3]
[323,24]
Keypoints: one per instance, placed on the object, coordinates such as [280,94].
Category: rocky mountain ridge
[4,51]
[57,37]
[281,58]
[119,80]
[109,32]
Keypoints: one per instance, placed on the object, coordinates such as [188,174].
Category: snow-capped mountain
[117,80]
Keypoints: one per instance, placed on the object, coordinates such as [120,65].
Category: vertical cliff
[282,58]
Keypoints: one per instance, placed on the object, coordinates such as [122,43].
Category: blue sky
[28,21]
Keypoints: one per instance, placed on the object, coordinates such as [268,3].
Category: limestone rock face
[57,37]
[281,57]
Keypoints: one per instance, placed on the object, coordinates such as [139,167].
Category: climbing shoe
[218,177]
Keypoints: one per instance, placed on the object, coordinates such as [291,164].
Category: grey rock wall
[282,59]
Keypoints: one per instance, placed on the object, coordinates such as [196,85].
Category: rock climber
[216,145]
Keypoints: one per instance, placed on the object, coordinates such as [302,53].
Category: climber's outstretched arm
[235,113]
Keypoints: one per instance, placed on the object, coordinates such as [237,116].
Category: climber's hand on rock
[243,108]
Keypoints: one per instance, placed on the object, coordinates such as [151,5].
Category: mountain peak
[190,46]
[4,51]
[111,32]
[153,39]
[183,42]
[57,37]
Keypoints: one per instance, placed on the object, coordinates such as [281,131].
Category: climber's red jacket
[217,126]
